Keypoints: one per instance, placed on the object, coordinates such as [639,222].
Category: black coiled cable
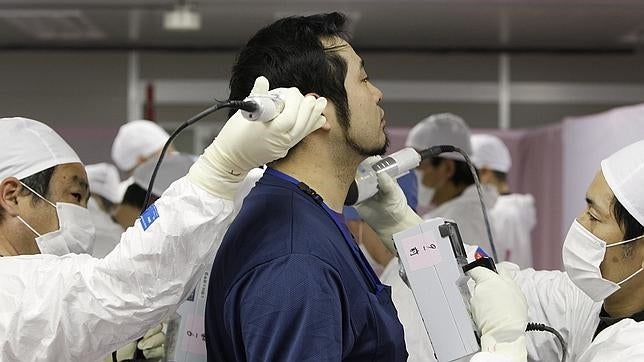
[540,327]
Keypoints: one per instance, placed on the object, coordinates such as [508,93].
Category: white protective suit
[513,217]
[108,232]
[465,210]
[554,300]
[59,309]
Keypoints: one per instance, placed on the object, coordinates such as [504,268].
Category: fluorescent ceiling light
[182,18]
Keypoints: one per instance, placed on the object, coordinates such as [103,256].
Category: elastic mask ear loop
[37,194]
[625,241]
[631,277]
[28,226]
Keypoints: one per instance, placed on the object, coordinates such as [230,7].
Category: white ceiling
[406,25]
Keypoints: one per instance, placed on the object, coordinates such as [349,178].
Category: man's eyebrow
[81,182]
[591,203]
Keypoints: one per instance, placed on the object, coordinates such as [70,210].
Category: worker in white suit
[105,197]
[78,308]
[513,215]
[597,304]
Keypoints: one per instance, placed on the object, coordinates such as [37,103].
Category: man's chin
[371,150]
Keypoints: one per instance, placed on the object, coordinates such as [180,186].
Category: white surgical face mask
[425,194]
[582,254]
[75,233]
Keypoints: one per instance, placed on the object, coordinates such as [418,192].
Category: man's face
[435,176]
[598,218]
[68,184]
[366,132]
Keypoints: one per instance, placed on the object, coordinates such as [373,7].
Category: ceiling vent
[53,24]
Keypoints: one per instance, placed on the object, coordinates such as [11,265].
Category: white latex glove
[500,310]
[124,353]
[152,346]
[243,145]
[387,211]
[153,342]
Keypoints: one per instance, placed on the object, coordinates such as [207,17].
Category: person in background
[514,215]
[174,166]
[445,182]
[135,143]
[104,190]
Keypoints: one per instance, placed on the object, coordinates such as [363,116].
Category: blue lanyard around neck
[363,264]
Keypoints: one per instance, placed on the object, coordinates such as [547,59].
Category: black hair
[627,223]
[290,53]
[462,175]
[39,182]
[134,196]
[500,176]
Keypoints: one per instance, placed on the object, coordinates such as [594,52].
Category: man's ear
[10,189]
[450,167]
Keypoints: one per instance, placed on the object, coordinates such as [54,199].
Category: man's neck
[329,175]
[6,249]
[502,187]
[125,215]
[16,239]
[626,302]
[446,193]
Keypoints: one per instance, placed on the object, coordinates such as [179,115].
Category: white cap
[441,129]
[624,173]
[104,180]
[173,167]
[28,147]
[490,152]
[137,139]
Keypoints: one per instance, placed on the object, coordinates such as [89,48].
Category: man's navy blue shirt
[287,286]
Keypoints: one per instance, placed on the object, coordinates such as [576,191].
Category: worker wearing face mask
[445,183]
[79,308]
[598,303]
[136,142]
[514,214]
[105,197]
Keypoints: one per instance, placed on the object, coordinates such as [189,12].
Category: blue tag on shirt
[149,216]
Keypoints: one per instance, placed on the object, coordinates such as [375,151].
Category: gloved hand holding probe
[387,211]
[226,162]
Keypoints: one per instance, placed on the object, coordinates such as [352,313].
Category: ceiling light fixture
[182,18]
